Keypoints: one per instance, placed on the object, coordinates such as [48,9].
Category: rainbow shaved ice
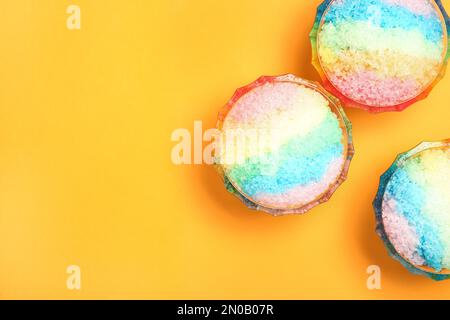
[380,55]
[413,209]
[304,146]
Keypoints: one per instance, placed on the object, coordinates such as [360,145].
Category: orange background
[86,176]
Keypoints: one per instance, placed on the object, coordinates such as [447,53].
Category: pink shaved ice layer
[255,105]
[273,104]
[368,87]
[419,7]
[401,234]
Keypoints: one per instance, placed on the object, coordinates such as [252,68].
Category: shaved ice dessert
[286,145]
[413,209]
[380,55]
